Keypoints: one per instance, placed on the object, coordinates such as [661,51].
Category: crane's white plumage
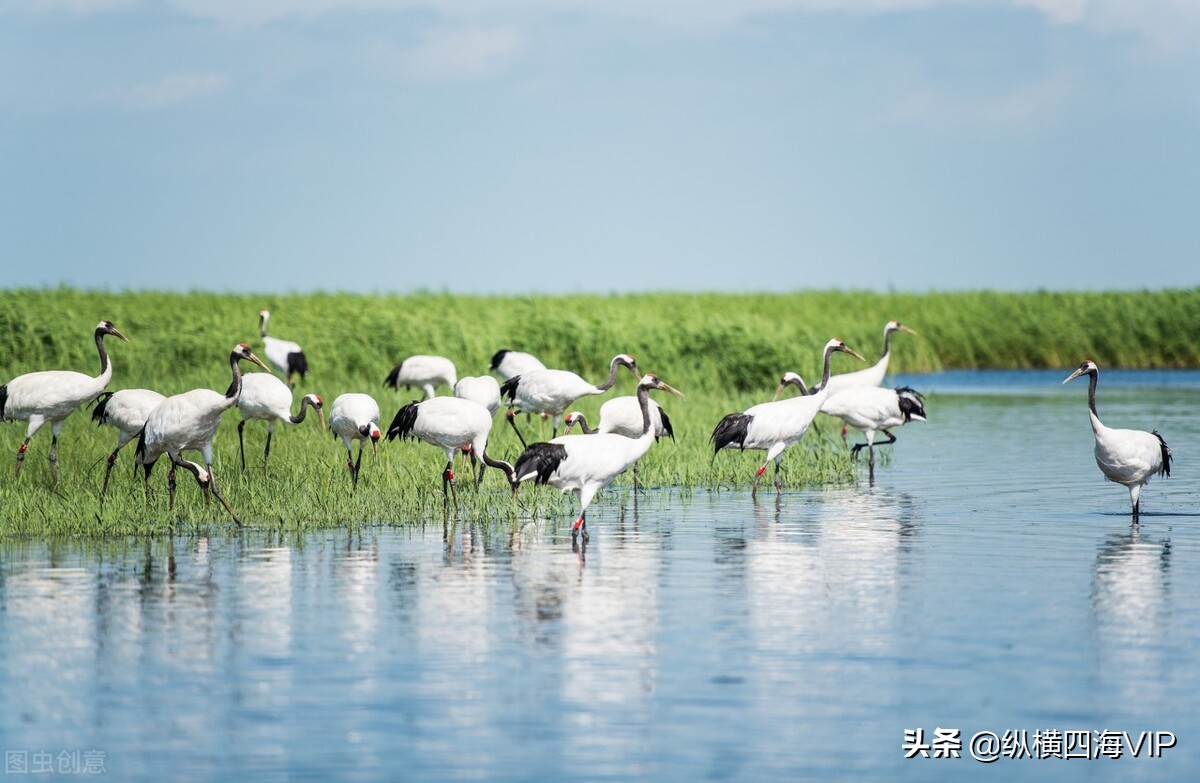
[483,389]
[553,391]
[873,409]
[774,426]
[623,416]
[585,464]
[50,396]
[355,417]
[508,363]
[1127,457]
[189,421]
[873,375]
[449,423]
[424,372]
[288,356]
[125,410]
[266,398]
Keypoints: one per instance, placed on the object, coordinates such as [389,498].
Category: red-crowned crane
[288,356]
[485,390]
[448,423]
[774,426]
[269,399]
[424,372]
[585,464]
[508,363]
[873,375]
[553,391]
[50,396]
[875,409]
[623,416]
[189,421]
[355,417]
[1127,457]
[482,389]
[126,410]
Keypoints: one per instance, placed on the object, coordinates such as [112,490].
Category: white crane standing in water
[586,464]
[774,426]
[1127,457]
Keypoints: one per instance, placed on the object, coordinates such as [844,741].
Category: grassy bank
[724,351]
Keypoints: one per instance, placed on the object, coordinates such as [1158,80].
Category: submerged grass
[725,351]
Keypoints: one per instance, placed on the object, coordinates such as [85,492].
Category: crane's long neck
[1093,378]
[262,327]
[887,345]
[582,421]
[643,398]
[305,402]
[105,365]
[612,377]
[235,387]
[820,387]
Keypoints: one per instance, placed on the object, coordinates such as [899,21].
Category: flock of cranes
[582,463]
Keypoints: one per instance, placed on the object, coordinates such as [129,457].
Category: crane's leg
[579,527]
[354,466]
[778,478]
[242,443]
[448,481]
[635,475]
[171,486]
[267,449]
[112,460]
[1135,493]
[54,430]
[146,477]
[21,456]
[512,419]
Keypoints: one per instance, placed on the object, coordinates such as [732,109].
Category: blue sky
[580,145]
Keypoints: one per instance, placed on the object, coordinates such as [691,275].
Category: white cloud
[1028,106]
[167,91]
[464,54]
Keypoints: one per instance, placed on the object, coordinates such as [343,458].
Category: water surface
[988,581]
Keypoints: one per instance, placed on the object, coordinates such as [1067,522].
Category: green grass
[724,351]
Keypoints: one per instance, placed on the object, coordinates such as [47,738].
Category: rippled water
[989,581]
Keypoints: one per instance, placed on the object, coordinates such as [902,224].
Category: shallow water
[988,581]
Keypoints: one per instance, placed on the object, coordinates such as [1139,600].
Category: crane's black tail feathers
[509,388]
[731,431]
[298,364]
[539,461]
[402,425]
[101,404]
[668,430]
[1165,470]
[393,378]
[912,404]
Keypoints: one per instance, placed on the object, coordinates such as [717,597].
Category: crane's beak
[1073,376]
[779,391]
[375,449]
[259,362]
[321,416]
[904,328]
[116,333]
[853,353]
[670,389]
